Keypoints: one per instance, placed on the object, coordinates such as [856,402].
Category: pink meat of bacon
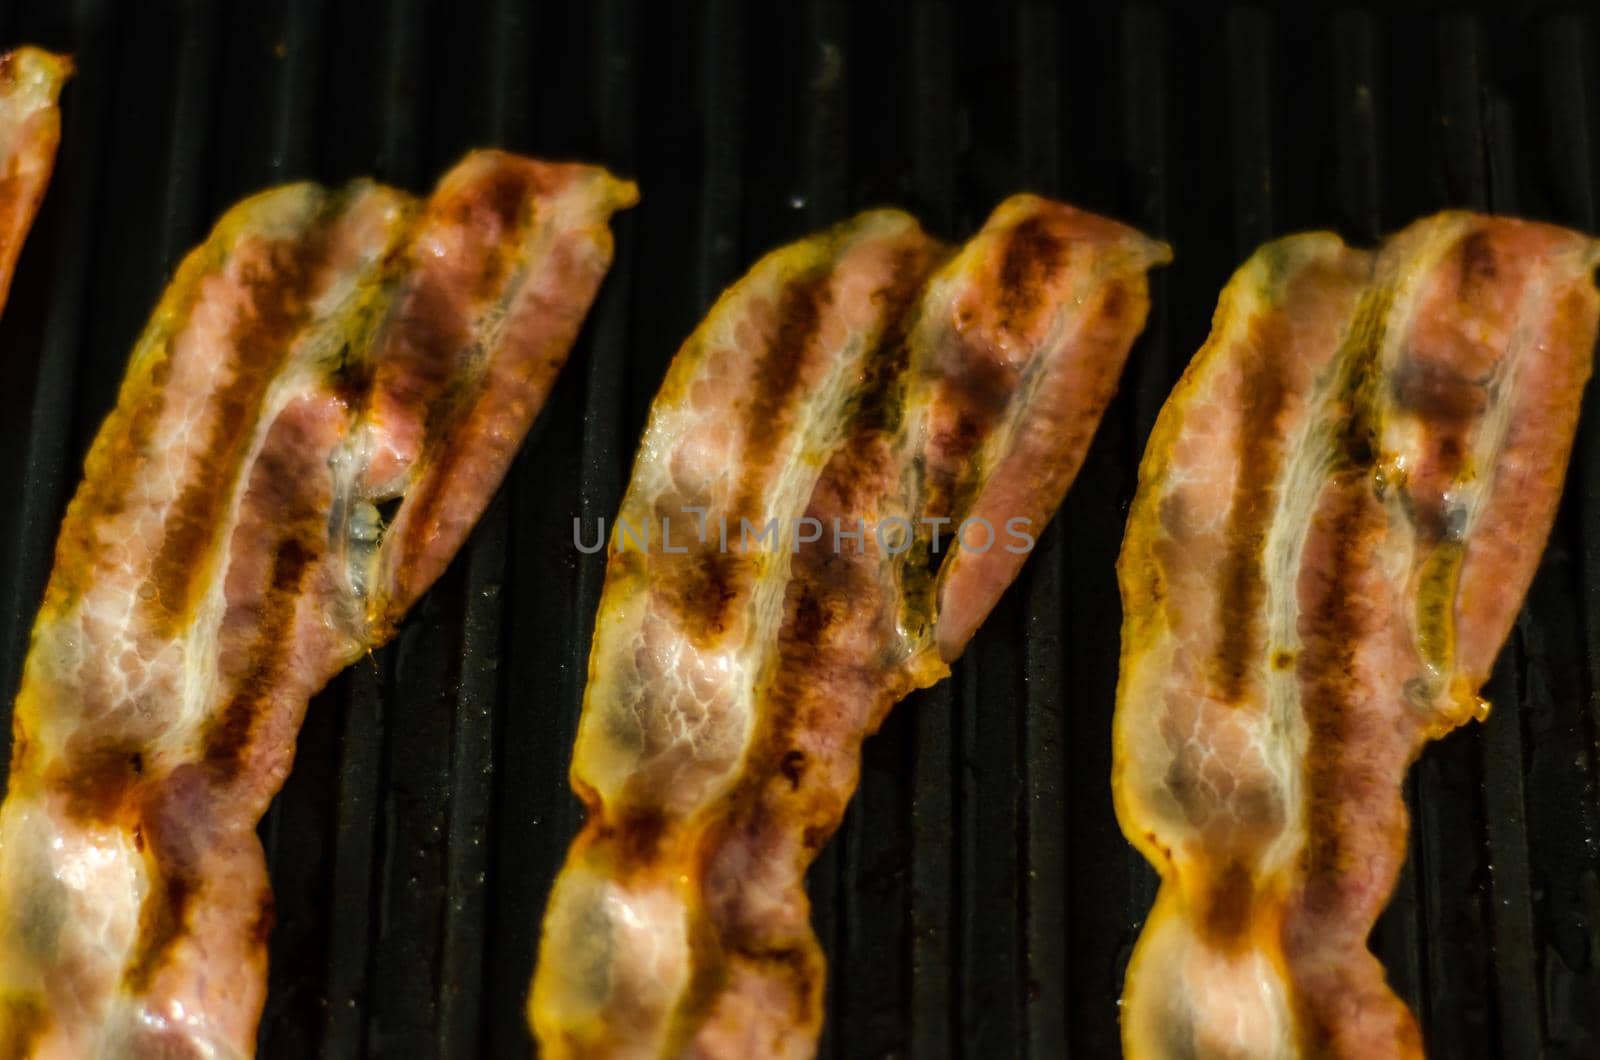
[30,128]
[1338,514]
[323,352]
[867,381]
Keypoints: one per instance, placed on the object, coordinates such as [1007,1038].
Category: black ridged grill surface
[979,901]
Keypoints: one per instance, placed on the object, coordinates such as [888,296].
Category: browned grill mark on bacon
[265,920]
[977,390]
[774,392]
[432,331]
[101,784]
[161,923]
[425,500]
[800,964]
[636,834]
[978,385]
[1243,584]
[1229,902]
[1118,295]
[826,591]
[1334,626]
[710,584]
[506,197]
[1030,261]
[879,404]
[11,186]
[352,379]
[1355,441]
[229,736]
[1438,393]
[440,367]
[23,1022]
[1114,305]
[793,767]
[282,485]
[437,322]
[444,440]
[814,836]
[176,814]
[259,344]
[1479,266]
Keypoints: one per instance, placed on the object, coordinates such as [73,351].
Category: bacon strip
[30,128]
[1339,511]
[853,380]
[324,352]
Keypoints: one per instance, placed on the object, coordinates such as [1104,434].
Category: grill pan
[978,901]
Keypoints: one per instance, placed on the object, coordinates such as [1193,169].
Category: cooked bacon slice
[30,128]
[854,381]
[324,352]
[1339,511]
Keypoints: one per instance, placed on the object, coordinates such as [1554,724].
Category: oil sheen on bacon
[324,352]
[862,374]
[30,128]
[1338,514]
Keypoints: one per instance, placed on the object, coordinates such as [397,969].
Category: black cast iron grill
[979,900]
